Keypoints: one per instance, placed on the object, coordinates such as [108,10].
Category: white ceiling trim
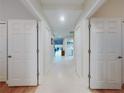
[94,8]
[31,8]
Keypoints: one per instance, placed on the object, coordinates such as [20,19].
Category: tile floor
[62,78]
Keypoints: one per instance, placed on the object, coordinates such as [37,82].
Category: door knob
[120,57]
[9,56]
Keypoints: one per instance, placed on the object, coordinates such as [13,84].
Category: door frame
[122,28]
[89,51]
[38,68]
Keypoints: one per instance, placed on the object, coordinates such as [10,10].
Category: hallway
[61,46]
[62,78]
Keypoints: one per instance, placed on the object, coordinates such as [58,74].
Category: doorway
[58,47]
[63,48]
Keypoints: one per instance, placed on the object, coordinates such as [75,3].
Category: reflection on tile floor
[62,78]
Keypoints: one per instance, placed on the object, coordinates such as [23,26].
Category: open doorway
[58,47]
[64,48]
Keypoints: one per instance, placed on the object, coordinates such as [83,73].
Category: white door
[105,54]
[22,53]
[3,51]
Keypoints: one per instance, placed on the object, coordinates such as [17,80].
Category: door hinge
[89,76]
[89,51]
[37,28]
[89,26]
[38,74]
[37,50]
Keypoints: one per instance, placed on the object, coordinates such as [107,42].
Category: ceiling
[71,10]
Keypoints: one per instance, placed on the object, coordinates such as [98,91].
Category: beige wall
[112,8]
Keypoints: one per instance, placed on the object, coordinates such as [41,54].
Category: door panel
[22,52]
[105,50]
[3,51]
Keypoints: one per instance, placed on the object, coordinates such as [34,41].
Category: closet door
[3,51]
[22,53]
[106,57]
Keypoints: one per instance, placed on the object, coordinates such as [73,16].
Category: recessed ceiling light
[62,18]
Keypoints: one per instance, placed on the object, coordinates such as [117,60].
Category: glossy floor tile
[62,78]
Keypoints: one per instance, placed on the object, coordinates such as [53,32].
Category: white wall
[78,44]
[45,49]
[85,41]
[48,51]
[81,40]
[14,9]
[41,50]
